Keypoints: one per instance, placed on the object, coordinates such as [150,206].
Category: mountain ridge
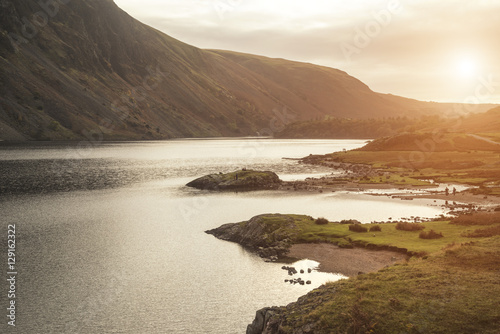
[88,69]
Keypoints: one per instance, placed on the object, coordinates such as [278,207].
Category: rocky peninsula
[269,235]
[239,180]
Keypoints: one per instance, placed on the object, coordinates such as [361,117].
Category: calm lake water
[109,240]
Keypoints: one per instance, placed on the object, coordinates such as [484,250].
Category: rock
[309,270]
[268,235]
[308,328]
[239,180]
[262,316]
[308,282]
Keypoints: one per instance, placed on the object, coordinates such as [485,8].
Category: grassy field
[389,236]
[478,168]
[453,288]
[307,231]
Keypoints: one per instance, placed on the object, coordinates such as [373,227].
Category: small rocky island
[243,179]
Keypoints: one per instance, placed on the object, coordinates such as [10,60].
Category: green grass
[493,191]
[436,295]
[468,167]
[394,179]
[307,231]
[455,289]
[464,180]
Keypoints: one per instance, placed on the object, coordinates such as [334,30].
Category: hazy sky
[446,51]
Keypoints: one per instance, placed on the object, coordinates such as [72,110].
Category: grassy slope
[453,289]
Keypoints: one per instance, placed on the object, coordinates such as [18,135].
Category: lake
[109,239]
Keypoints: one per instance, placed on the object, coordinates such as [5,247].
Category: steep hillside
[331,92]
[87,69]
[94,67]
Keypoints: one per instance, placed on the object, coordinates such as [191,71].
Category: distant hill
[349,128]
[481,123]
[89,70]
[488,122]
[432,142]
[478,132]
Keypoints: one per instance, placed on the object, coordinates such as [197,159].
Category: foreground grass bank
[455,290]
[452,286]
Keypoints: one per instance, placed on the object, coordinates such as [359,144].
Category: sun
[466,67]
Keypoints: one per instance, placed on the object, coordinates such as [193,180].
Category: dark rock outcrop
[269,235]
[289,319]
[262,317]
[239,180]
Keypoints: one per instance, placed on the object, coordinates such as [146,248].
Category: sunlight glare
[466,67]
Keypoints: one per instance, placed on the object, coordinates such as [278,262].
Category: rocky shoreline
[274,241]
[273,237]
[268,241]
[354,177]
[349,180]
[327,184]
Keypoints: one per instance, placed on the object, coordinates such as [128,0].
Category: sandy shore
[329,184]
[346,172]
[348,262]
[464,197]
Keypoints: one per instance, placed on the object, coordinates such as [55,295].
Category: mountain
[87,69]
